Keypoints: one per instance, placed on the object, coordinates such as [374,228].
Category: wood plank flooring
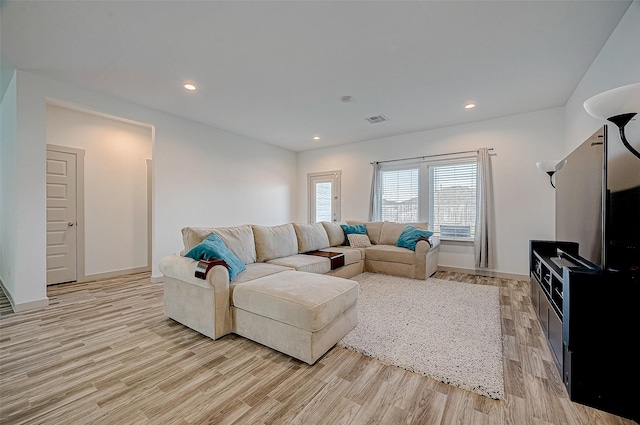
[104,353]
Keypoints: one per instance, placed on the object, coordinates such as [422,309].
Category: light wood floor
[104,353]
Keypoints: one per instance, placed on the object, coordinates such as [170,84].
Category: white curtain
[484,244]
[375,213]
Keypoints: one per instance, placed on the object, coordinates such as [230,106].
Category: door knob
[70,224]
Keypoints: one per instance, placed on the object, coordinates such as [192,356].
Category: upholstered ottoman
[297,313]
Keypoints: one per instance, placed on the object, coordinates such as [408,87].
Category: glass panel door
[324,196]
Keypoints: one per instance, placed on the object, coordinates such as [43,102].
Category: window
[323,201]
[400,195]
[452,199]
[442,193]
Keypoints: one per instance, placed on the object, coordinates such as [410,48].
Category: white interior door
[324,196]
[61,217]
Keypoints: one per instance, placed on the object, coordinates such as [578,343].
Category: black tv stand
[589,318]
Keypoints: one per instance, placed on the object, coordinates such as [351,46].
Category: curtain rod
[426,156]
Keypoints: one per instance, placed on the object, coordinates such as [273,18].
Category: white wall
[202,176]
[617,64]
[115,186]
[524,199]
[207,177]
[8,193]
[22,219]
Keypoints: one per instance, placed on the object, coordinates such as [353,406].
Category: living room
[188,156]
[208,176]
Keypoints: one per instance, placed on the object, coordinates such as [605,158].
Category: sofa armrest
[189,300]
[422,249]
[184,269]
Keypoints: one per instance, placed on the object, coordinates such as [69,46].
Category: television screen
[580,188]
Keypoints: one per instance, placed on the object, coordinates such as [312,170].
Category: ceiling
[276,71]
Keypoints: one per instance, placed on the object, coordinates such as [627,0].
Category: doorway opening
[112,226]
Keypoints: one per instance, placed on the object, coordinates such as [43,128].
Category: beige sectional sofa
[286,298]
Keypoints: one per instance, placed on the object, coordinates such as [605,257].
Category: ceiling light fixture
[190,86]
[470,105]
[316,137]
[617,105]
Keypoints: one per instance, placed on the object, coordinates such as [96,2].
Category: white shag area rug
[445,330]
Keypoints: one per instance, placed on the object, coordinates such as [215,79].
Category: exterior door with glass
[324,196]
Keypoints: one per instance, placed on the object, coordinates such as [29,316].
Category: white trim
[149,163]
[115,273]
[157,279]
[335,177]
[79,108]
[18,308]
[483,272]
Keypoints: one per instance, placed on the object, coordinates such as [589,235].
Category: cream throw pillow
[358,241]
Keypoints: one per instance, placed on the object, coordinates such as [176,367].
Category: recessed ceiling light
[190,86]
[316,137]
[470,105]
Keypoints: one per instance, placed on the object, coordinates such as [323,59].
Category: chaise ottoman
[297,313]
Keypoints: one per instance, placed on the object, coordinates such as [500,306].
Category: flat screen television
[598,201]
[580,194]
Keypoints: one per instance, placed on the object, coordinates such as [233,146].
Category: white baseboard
[157,279]
[115,273]
[30,305]
[483,272]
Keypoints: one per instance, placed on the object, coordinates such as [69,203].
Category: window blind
[323,201]
[400,200]
[452,199]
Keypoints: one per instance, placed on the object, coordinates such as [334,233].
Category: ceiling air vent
[377,119]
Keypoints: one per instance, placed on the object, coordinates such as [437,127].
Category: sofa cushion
[391,231]
[334,232]
[304,263]
[192,236]
[351,255]
[391,254]
[311,237]
[358,229]
[274,241]
[240,241]
[307,301]
[214,247]
[258,270]
[410,235]
[255,271]
[358,241]
[373,231]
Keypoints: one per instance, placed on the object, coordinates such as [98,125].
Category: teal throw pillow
[214,247]
[410,235]
[357,229]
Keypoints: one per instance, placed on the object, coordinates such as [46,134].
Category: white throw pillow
[358,241]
